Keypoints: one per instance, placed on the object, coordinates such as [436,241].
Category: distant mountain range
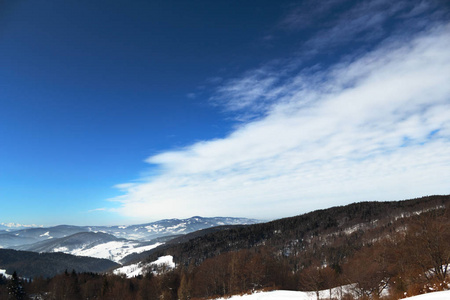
[109,242]
[15,226]
[150,231]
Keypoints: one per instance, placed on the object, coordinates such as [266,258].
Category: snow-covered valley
[114,250]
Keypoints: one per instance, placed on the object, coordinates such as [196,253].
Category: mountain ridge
[31,264]
[289,233]
[109,242]
[142,232]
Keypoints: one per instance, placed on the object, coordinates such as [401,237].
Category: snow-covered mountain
[16,226]
[142,232]
[110,242]
[34,235]
[149,231]
[69,243]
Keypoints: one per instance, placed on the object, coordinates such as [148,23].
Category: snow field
[114,250]
[444,295]
[294,295]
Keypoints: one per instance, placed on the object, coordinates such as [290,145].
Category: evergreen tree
[15,288]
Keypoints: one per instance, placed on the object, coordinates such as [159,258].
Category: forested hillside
[331,233]
[31,264]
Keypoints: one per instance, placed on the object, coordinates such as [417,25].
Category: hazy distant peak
[12,226]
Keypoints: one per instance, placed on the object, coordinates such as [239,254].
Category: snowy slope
[445,295]
[114,250]
[131,270]
[276,295]
[288,295]
[138,269]
[98,245]
[336,293]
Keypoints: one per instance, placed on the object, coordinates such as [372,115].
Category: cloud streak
[374,127]
[359,20]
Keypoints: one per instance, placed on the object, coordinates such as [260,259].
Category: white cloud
[375,128]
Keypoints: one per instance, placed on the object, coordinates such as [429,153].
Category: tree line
[404,255]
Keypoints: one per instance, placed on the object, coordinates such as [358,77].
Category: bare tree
[316,278]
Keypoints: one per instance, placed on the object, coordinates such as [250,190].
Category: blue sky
[119,112]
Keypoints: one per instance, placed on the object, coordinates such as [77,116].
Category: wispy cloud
[347,17]
[357,22]
[375,127]
[306,14]
[355,28]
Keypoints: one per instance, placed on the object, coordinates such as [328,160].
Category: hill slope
[92,244]
[344,229]
[69,243]
[31,264]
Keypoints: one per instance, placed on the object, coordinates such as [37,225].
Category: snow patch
[138,269]
[352,229]
[61,249]
[177,226]
[130,271]
[47,234]
[3,272]
[164,260]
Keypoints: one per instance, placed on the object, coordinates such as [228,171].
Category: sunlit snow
[131,270]
[3,272]
[47,234]
[445,295]
[288,295]
[164,260]
[114,250]
[138,269]
[61,249]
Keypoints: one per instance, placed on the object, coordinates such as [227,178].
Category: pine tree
[15,288]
